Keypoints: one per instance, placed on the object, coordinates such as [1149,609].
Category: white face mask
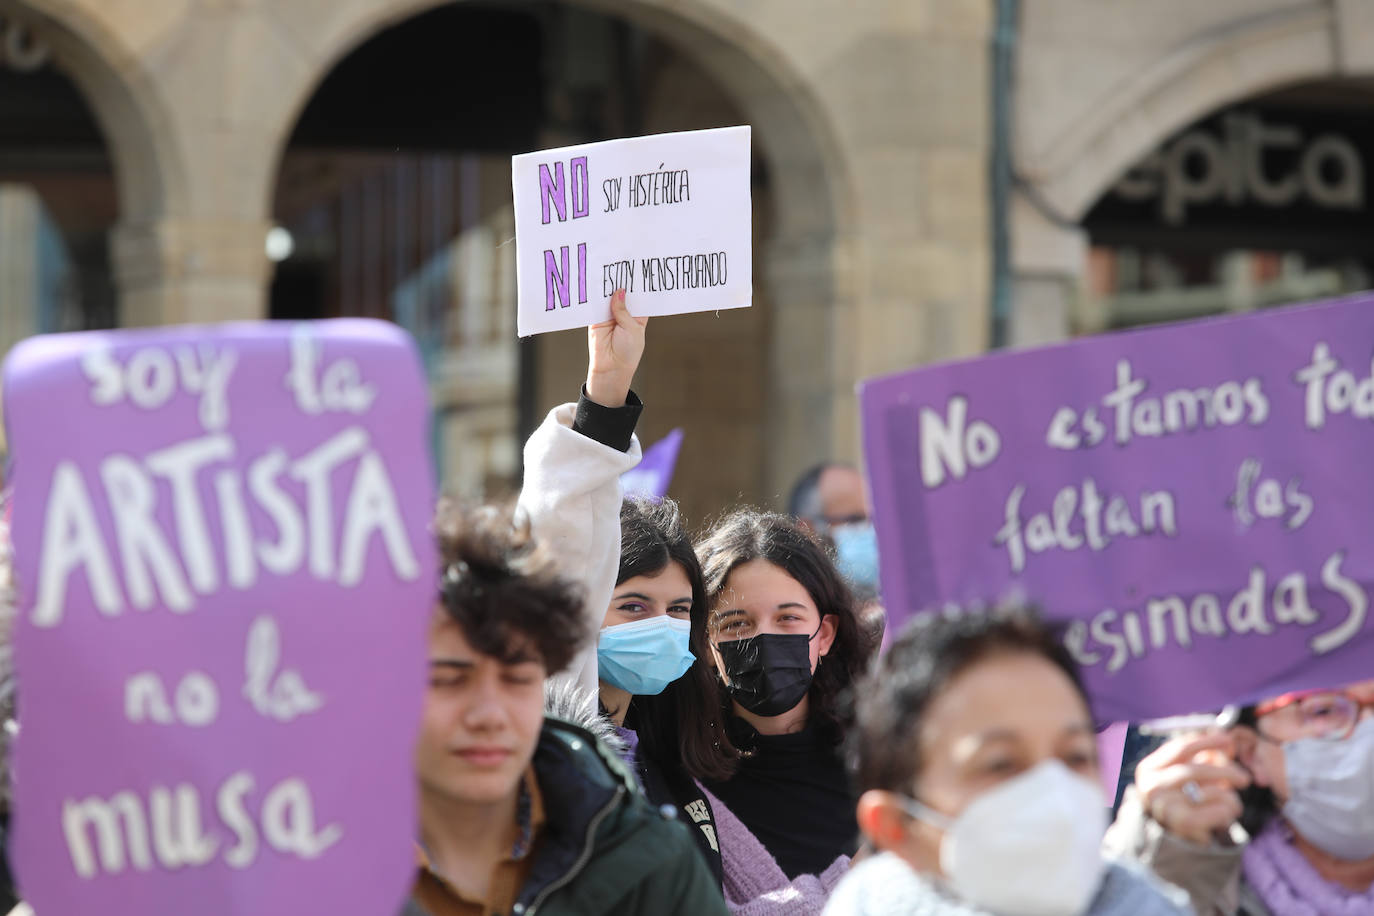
[1331,792]
[1028,847]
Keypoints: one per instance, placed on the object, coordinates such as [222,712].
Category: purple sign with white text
[1194,499]
[225,575]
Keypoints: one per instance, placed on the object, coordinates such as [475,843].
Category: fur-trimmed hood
[566,701]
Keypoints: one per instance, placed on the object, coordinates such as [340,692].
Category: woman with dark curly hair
[779,644]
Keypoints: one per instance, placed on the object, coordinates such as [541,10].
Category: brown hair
[503,588]
[931,651]
[750,534]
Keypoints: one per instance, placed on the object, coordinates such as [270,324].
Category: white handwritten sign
[665,217]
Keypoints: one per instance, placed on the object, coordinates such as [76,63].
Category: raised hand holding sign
[665,218]
[614,349]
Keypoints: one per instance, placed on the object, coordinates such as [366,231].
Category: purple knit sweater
[755,885]
[1290,886]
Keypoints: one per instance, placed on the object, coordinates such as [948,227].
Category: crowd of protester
[625,718]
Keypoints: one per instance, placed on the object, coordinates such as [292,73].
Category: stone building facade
[874,205]
[1102,86]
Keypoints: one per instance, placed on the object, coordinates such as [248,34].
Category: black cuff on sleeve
[613,426]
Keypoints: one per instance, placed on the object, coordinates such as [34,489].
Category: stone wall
[871,117]
[1100,85]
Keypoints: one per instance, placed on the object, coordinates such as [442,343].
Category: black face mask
[769,673]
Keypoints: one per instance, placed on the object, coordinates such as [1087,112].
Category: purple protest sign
[225,577]
[651,477]
[1194,499]
[1111,749]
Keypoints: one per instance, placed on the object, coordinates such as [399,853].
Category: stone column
[176,271]
[1049,266]
[805,337]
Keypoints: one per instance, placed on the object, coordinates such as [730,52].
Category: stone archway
[149,180]
[807,262]
[790,118]
[1251,57]
[1064,175]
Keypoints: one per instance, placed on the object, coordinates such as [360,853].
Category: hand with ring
[1189,786]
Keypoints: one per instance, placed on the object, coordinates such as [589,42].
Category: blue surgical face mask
[644,656]
[856,548]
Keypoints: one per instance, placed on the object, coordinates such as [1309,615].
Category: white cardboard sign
[667,217]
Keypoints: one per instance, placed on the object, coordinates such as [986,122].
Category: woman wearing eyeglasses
[1272,817]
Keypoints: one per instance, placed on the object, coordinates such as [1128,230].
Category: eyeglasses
[1326,715]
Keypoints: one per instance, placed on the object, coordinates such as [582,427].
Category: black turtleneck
[793,794]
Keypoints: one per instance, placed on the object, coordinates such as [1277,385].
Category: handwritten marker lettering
[227,524]
[667,218]
[1178,498]
[951,445]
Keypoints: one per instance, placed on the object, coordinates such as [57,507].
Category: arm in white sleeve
[571,497]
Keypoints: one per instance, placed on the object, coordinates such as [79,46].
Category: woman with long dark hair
[760,726]
[648,684]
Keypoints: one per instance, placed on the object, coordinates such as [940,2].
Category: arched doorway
[395,190]
[58,199]
[1263,202]
[92,114]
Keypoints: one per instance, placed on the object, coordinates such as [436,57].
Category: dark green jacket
[605,850]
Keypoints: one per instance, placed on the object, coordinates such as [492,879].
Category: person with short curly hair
[520,811]
[505,589]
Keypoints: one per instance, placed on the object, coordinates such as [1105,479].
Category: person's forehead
[841,486]
[1018,693]
[760,585]
[1363,689]
[448,641]
[671,579]
[445,634]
